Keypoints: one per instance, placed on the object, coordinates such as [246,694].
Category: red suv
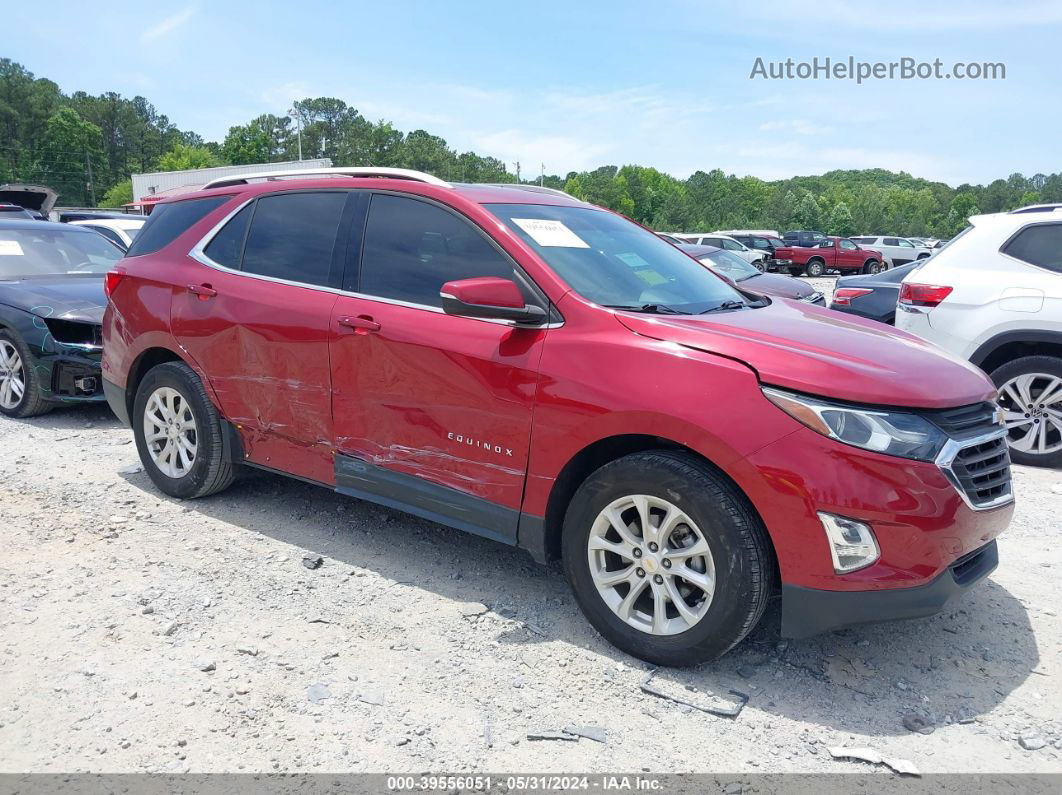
[513,362]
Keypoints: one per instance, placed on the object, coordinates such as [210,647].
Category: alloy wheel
[170,432]
[1032,409]
[651,564]
[12,376]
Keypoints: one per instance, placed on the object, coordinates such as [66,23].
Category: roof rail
[522,186]
[1037,208]
[361,171]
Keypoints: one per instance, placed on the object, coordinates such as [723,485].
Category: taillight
[110,281]
[843,296]
[929,295]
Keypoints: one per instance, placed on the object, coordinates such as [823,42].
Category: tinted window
[1039,245]
[168,221]
[227,245]
[413,248]
[110,234]
[292,236]
[904,243]
[889,241]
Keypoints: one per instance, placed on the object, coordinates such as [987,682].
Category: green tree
[119,194]
[184,157]
[808,214]
[840,221]
[70,155]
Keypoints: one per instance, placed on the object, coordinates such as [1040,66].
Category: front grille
[977,458]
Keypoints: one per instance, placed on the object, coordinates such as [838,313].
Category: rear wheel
[815,268]
[796,271]
[666,559]
[20,383]
[1030,394]
[178,433]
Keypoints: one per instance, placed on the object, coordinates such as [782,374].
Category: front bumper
[810,611]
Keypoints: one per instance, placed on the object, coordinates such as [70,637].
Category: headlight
[890,432]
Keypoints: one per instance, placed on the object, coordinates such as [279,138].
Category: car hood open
[820,352]
[78,298]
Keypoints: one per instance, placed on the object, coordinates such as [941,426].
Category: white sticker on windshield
[10,248]
[550,233]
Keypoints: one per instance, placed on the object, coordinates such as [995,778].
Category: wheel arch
[142,364]
[1012,345]
[592,457]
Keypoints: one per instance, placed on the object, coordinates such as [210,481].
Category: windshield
[614,262]
[730,265]
[39,252]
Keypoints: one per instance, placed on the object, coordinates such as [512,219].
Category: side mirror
[491,298]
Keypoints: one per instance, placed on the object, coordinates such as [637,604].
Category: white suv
[752,256]
[993,296]
[896,251]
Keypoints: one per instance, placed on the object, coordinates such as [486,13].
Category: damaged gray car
[51,308]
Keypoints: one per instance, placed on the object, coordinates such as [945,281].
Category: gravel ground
[140,633]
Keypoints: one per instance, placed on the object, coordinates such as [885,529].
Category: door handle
[362,324]
[204,291]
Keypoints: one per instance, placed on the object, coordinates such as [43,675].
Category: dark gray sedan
[747,277]
[873,295]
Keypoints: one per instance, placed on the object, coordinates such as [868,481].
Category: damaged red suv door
[450,424]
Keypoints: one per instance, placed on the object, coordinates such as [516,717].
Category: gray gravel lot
[142,633]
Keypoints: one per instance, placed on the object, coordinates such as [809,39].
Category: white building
[149,189]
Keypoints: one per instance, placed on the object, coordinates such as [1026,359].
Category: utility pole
[518,172]
[88,170]
[542,176]
[298,126]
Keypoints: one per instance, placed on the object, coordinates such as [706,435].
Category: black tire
[796,271]
[923,255]
[33,402]
[815,268]
[1049,366]
[209,472]
[760,265]
[730,526]
[872,266]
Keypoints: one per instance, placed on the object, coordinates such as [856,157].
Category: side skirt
[441,504]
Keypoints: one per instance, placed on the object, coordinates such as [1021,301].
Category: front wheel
[760,265]
[667,559]
[178,433]
[20,384]
[1030,394]
[872,266]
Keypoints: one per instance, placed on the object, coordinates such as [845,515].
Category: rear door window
[1039,245]
[168,221]
[293,235]
[227,246]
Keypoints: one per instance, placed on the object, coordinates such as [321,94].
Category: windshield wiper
[725,307]
[649,309]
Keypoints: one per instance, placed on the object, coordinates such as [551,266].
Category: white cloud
[169,24]
[533,149]
[798,126]
[281,96]
[780,161]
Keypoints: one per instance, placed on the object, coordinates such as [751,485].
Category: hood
[78,298]
[774,284]
[821,352]
[32,197]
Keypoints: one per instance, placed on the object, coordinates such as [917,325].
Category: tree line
[85,147]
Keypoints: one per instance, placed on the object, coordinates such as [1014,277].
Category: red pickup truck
[833,253]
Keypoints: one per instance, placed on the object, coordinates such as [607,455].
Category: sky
[582,83]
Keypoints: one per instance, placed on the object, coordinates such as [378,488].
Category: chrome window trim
[198,253]
[946,457]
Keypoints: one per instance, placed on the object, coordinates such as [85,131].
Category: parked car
[671,239]
[872,295]
[51,306]
[692,446]
[768,245]
[120,231]
[831,254]
[10,211]
[803,239]
[37,200]
[67,215]
[748,277]
[993,296]
[895,250]
[752,256]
